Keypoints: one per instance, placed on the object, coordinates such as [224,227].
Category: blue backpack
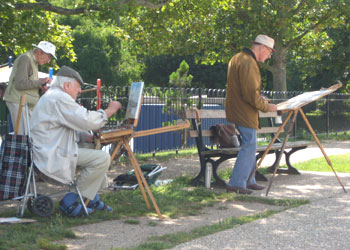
[71,206]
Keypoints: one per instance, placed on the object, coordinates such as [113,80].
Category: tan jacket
[243,99]
[24,79]
[55,125]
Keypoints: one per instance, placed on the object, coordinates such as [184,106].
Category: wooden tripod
[293,107]
[123,137]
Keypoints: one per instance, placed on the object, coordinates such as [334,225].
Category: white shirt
[54,126]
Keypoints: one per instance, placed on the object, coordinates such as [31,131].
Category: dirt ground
[120,234]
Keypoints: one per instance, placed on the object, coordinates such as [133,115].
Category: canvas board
[134,102]
[306,98]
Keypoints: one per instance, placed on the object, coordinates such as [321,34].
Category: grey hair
[60,80]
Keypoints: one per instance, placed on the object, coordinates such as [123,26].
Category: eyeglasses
[269,49]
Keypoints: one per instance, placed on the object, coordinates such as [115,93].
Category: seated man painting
[57,125]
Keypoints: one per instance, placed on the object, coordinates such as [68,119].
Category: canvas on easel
[134,104]
[306,98]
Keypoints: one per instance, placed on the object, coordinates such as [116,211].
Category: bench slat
[205,113]
[268,130]
[265,130]
[275,146]
[220,113]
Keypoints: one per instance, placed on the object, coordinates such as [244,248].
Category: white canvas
[133,107]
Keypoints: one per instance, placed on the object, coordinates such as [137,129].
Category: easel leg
[270,145]
[137,172]
[320,146]
[141,179]
[116,150]
[295,112]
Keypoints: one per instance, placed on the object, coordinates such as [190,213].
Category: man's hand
[113,107]
[272,107]
[46,80]
[265,98]
[43,89]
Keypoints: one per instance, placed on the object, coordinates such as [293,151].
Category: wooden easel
[293,107]
[123,137]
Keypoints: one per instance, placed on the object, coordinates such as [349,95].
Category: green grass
[162,156]
[341,164]
[337,136]
[175,199]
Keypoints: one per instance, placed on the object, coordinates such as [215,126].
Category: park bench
[215,156]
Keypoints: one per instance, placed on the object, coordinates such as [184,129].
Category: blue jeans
[245,162]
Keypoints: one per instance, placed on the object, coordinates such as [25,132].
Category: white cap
[47,47]
[265,40]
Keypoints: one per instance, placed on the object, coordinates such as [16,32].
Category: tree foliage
[217,29]
[307,72]
[20,29]
[211,31]
[180,78]
[23,22]
[101,53]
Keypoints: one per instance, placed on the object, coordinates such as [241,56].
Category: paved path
[322,224]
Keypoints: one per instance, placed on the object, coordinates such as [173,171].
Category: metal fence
[164,106]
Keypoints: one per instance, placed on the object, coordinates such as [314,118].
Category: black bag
[14,162]
[150,171]
[225,135]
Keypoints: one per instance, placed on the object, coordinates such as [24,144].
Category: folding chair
[40,205]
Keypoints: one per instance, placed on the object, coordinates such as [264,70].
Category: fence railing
[163,106]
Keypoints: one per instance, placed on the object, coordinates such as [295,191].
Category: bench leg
[218,182]
[291,169]
[199,179]
[259,176]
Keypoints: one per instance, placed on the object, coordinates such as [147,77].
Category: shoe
[255,187]
[97,204]
[238,190]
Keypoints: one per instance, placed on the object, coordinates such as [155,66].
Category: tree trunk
[279,70]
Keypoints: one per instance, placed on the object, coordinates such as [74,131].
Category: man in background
[24,79]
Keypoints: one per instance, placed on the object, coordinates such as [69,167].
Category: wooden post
[19,114]
[98,95]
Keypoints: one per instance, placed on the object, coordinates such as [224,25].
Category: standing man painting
[243,101]
[24,79]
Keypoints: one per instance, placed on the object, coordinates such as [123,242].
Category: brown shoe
[238,190]
[255,187]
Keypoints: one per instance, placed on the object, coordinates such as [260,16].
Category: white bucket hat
[265,40]
[47,47]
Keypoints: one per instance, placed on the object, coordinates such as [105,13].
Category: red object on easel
[98,102]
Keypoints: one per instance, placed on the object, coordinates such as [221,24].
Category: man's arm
[112,108]
[23,71]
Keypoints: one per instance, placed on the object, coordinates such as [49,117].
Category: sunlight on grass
[167,154]
[341,164]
